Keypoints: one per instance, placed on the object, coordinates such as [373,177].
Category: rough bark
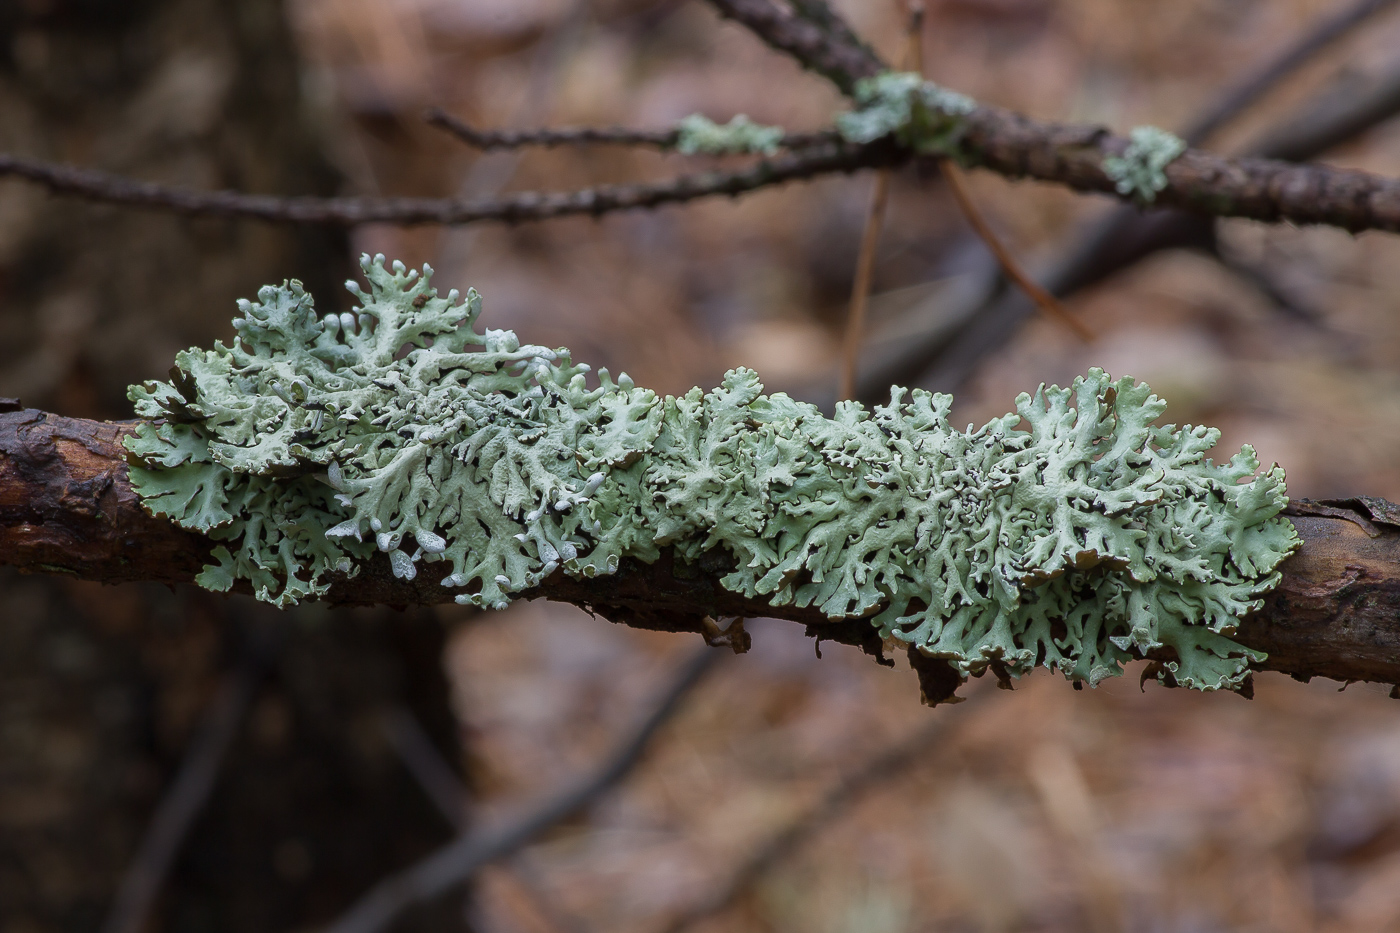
[66,507]
[1019,147]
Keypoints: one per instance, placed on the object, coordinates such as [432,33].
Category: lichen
[1074,533]
[1140,172]
[699,135]
[920,114]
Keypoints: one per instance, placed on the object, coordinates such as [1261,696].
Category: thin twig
[488,140]
[526,206]
[819,12]
[449,795]
[549,137]
[458,860]
[880,769]
[410,741]
[1322,36]
[194,782]
[860,288]
[1046,302]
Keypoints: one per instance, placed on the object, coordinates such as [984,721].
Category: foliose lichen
[699,135]
[1073,533]
[1141,171]
[922,115]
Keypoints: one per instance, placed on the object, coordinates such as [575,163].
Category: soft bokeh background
[1042,809]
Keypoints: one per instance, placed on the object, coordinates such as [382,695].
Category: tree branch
[67,507]
[1019,147]
[460,859]
[525,206]
[1000,140]
[488,140]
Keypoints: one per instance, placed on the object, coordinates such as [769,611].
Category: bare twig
[1046,302]
[527,206]
[588,136]
[877,771]
[450,796]
[860,287]
[819,12]
[458,860]
[1323,35]
[434,775]
[194,782]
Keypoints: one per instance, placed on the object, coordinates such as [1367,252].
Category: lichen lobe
[1074,533]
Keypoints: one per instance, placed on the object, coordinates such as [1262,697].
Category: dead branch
[66,507]
[460,859]
[94,185]
[878,770]
[488,140]
[1019,147]
[999,140]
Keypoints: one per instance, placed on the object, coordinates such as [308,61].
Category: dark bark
[66,507]
[102,689]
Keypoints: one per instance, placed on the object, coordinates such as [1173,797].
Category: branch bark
[66,507]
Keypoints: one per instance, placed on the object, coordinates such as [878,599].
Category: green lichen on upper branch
[699,135]
[1140,172]
[920,114]
[1075,533]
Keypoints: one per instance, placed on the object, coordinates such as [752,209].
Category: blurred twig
[187,795]
[878,770]
[518,208]
[1001,141]
[441,785]
[587,136]
[860,286]
[1325,33]
[1046,302]
[458,860]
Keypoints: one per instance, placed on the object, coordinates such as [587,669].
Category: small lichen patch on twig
[699,135]
[1140,172]
[1075,533]
[922,115]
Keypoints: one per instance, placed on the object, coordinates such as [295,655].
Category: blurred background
[1042,809]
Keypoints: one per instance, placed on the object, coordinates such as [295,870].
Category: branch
[1114,242]
[885,766]
[526,206]
[1000,140]
[1019,147]
[460,859]
[186,797]
[488,140]
[1322,36]
[66,506]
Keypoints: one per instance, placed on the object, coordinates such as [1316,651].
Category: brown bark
[66,507]
[1019,147]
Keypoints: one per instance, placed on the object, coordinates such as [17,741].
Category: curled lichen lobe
[1075,533]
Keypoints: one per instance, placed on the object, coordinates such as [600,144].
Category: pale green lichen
[699,135]
[922,115]
[1140,172]
[1074,533]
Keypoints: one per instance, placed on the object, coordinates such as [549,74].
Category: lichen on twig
[1088,538]
[1140,172]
